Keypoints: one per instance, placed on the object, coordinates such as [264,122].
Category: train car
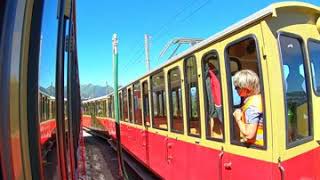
[178,120]
[39,126]
[47,118]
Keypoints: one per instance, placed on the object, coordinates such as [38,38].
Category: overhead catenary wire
[158,34]
[161,33]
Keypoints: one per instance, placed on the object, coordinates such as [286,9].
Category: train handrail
[220,163]
[282,170]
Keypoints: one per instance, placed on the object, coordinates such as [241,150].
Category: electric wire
[158,34]
[164,31]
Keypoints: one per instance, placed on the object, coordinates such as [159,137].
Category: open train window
[175,100]
[245,89]
[296,90]
[159,102]
[146,112]
[314,53]
[213,96]
[192,97]
[137,103]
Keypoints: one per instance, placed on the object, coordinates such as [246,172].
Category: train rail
[107,147]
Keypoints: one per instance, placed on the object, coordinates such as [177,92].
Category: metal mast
[146,47]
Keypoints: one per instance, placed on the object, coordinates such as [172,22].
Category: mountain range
[88,91]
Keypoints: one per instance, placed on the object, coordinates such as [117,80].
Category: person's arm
[248,130]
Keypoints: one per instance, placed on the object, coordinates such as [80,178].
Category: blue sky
[162,20]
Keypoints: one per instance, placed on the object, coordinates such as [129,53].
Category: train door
[313,51]
[158,138]
[314,56]
[212,107]
[130,130]
[249,154]
[176,151]
[137,113]
[299,48]
[49,73]
[146,121]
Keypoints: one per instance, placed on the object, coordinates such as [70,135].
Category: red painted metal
[175,159]
[304,166]
[86,121]
[47,129]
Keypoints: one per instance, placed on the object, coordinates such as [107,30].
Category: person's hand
[237,114]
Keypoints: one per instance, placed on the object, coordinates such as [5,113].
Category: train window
[111,106]
[146,115]
[245,89]
[120,106]
[125,105]
[192,95]
[213,96]
[130,105]
[314,53]
[175,100]
[108,108]
[92,112]
[159,103]
[101,108]
[298,119]
[137,104]
[104,108]
[90,109]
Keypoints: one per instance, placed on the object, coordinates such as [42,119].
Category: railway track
[101,160]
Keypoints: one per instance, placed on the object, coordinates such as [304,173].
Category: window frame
[133,104]
[152,106]
[187,95]
[125,105]
[203,58]
[230,94]
[120,105]
[129,100]
[307,81]
[170,100]
[112,106]
[104,108]
[309,63]
[143,104]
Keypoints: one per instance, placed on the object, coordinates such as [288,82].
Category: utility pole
[146,47]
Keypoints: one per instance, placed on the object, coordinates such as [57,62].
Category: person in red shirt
[216,114]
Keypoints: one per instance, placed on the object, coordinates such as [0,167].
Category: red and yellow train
[166,115]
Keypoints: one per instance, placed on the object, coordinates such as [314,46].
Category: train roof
[97,98]
[270,10]
[46,94]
